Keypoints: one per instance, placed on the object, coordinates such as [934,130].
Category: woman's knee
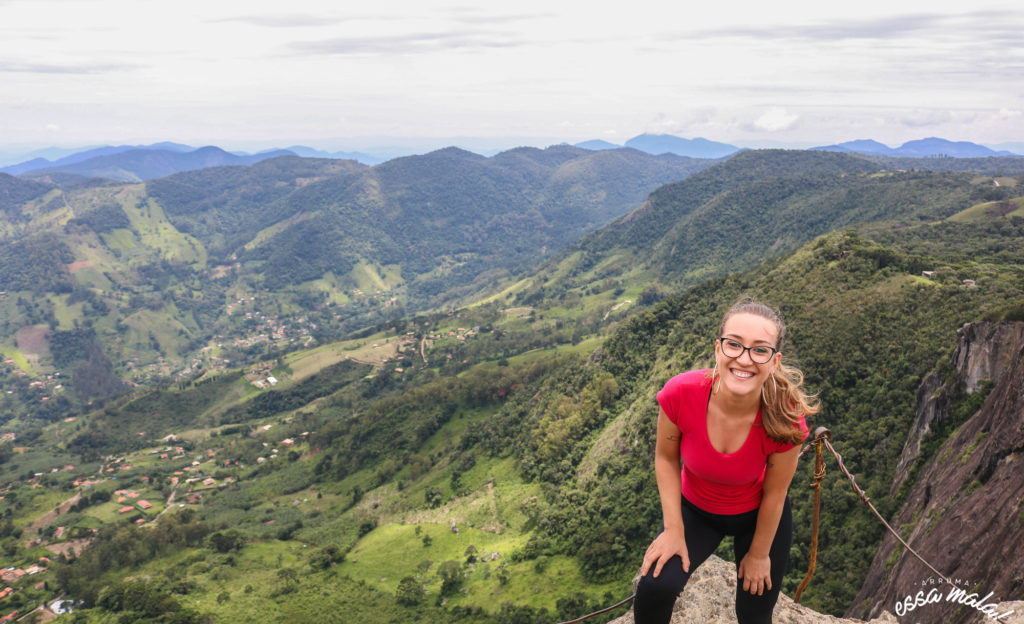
[667,585]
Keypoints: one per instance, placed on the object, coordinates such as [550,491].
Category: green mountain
[756,205]
[136,165]
[493,463]
[228,264]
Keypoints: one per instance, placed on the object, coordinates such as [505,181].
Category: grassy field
[374,349]
[13,353]
[503,294]
[371,277]
[989,210]
[155,230]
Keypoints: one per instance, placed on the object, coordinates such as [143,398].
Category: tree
[410,592]
[226,541]
[288,576]
[326,557]
[451,577]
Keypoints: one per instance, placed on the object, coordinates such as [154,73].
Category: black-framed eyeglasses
[759,354]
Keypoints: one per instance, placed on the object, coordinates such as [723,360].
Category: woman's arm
[667,469]
[756,567]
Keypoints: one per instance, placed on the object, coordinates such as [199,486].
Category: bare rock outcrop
[964,512]
[710,597]
[983,350]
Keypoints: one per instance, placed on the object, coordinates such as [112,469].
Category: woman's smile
[742,374]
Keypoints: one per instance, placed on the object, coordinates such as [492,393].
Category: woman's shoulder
[695,378]
[684,394]
[690,381]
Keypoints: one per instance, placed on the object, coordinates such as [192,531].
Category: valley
[326,414]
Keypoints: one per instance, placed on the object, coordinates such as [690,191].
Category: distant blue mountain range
[309,152]
[922,148]
[143,162]
[694,148]
[597,145]
[668,144]
[134,163]
[703,148]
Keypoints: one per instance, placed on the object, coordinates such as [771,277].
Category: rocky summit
[709,598]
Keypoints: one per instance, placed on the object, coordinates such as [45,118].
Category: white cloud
[924,117]
[775,120]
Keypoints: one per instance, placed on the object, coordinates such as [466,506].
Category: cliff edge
[965,511]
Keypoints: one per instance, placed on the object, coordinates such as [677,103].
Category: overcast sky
[341,75]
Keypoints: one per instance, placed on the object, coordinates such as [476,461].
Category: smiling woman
[727,448]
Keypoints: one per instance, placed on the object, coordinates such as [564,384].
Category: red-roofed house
[125,510]
[145,504]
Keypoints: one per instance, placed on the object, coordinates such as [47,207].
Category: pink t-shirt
[720,483]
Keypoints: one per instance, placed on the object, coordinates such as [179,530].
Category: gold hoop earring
[713,374]
[775,386]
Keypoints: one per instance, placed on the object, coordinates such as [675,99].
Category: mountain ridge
[929,147]
[138,165]
[351,243]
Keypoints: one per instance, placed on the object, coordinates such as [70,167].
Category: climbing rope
[820,434]
[605,610]
[822,438]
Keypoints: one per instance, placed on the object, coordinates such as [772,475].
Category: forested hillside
[231,264]
[493,463]
[757,205]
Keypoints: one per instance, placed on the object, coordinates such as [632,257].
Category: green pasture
[273,230]
[537,583]
[989,210]
[66,315]
[155,230]
[11,352]
[371,277]
[503,294]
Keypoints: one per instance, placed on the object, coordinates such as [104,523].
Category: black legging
[655,597]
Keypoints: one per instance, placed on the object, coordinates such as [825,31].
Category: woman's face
[741,375]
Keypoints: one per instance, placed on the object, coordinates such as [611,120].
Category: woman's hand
[669,543]
[756,573]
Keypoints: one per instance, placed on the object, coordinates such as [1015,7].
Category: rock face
[982,352]
[710,596]
[964,513]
